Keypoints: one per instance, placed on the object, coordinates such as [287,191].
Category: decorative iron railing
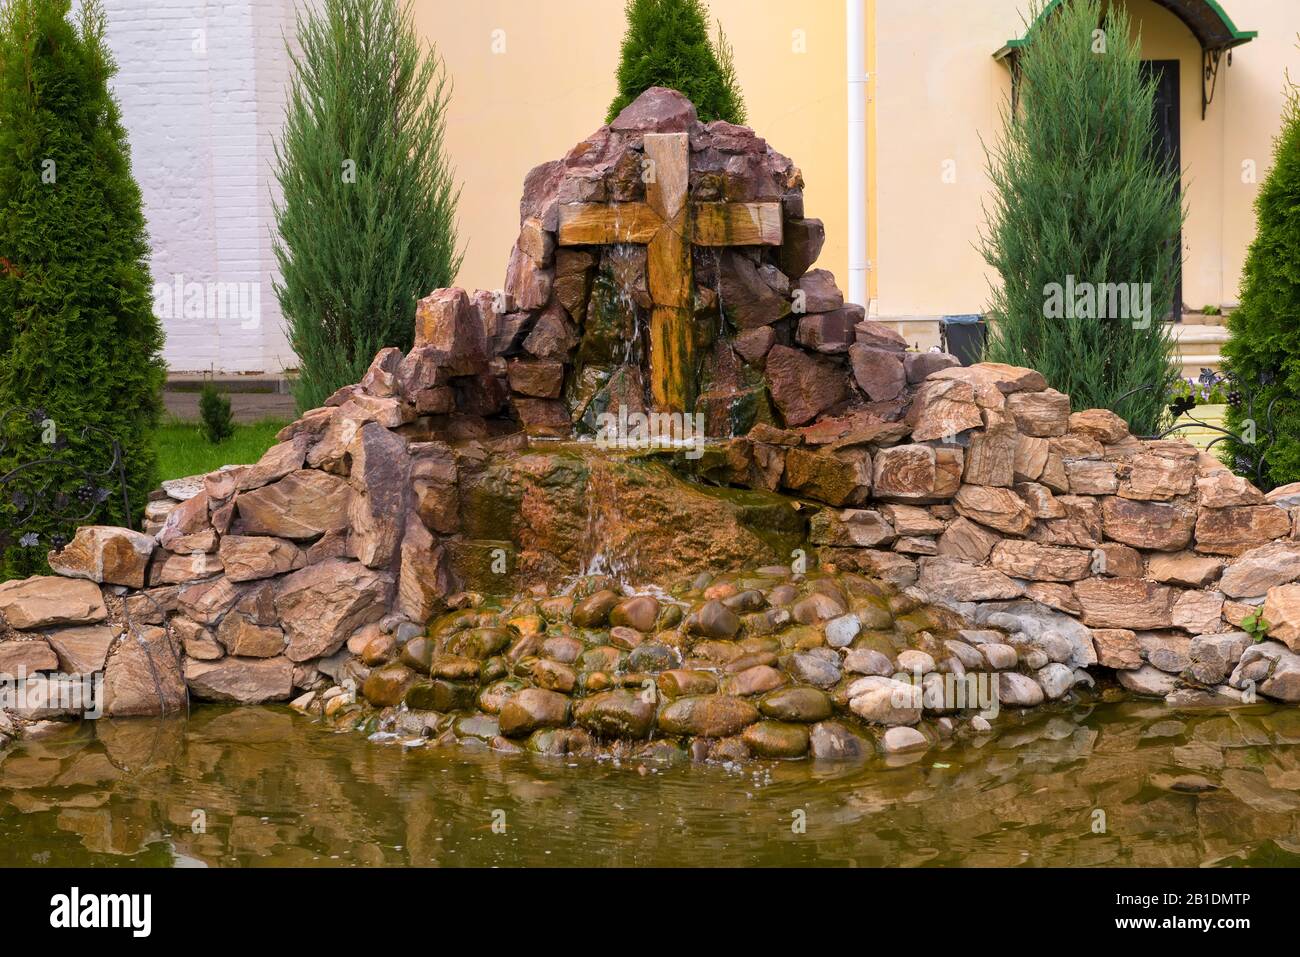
[68,482]
[1246,465]
[64,484]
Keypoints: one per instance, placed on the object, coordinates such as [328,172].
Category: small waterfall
[626,308]
[606,551]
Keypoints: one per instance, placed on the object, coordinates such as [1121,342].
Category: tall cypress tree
[667,44]
[79,343]
[1081,206]
[367,221]
[1263,348]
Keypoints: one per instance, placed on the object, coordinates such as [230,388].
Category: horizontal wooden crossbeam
[736,224]
[713,224]
[599,224]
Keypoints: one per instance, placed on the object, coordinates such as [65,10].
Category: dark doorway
[1167,146]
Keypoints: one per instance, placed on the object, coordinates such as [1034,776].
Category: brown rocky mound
[975,491]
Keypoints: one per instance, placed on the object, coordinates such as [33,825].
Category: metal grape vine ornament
[51,483]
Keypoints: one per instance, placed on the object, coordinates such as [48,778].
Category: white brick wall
[202,85]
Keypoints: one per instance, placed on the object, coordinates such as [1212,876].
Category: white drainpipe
[856,28]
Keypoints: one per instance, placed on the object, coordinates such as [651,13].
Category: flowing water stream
[1113,784]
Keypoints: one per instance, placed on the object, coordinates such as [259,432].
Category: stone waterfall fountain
[874,548]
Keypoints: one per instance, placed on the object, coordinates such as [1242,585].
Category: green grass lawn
[182,449]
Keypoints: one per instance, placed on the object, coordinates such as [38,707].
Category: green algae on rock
[768,683]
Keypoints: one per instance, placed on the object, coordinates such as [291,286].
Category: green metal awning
[1208,21]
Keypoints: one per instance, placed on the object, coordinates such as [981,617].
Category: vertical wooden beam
[668,267]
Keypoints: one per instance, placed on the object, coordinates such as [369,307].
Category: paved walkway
[246,406]
[252,398]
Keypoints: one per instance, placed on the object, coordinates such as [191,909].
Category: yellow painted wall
[1249,103]
[552,83]
[935,91]
[939,91]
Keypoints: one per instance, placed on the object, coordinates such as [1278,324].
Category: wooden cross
[668,224]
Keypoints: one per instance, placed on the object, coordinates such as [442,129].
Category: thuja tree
[367,212]
[1263,348]
[80,365]
[1084,220]
[667,44]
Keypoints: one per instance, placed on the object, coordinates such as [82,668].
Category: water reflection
[257,786]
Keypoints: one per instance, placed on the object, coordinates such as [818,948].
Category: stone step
[1200,335]
[1193,364]
[1198,346]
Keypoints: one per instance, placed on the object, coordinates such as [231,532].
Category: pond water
[1110,784]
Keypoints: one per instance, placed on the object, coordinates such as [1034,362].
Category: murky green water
[270,787]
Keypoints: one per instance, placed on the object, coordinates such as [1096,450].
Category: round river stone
[800,703]
[777,739]
[710,716]
[621,713]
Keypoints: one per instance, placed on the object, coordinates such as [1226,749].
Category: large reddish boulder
[433,484]
[107,554]
[44,600]
[250,557]
[380,478]
[1131,603]
[26,657]
[424,575]
[803,241]
[543,417]
[241,680]
[999,508]
[304,504]
[1154,525]
[448,321]
[540,378]
[880,373]
[658,110]
[803,386]
[747,298]
[553,335]
[1231,531]
[828,332]
[817,291]
[943,409]
[321,605]
[528,283]
[917,473]
[143,675]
